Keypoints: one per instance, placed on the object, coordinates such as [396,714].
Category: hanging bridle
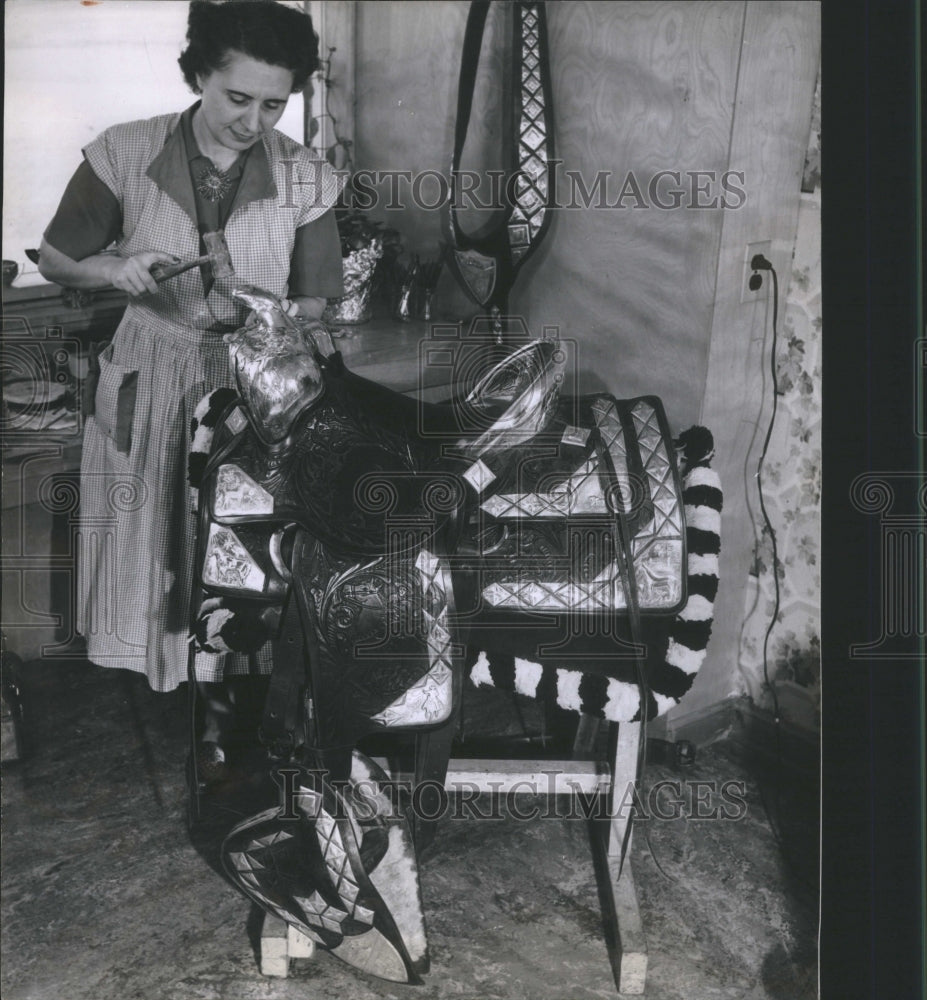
[487,263]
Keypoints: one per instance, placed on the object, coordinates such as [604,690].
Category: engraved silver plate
[229,564]
[237,494]
[236,420]
[479,476]
[575,436]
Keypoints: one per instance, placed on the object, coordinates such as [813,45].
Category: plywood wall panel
[407,77]
[406,89]
[638,89]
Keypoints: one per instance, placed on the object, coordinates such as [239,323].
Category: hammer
[217,254]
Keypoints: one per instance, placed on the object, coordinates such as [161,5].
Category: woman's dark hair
[262,29]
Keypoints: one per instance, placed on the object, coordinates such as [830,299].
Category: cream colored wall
[639,89]
[769,138]
[71,70]
[405,90]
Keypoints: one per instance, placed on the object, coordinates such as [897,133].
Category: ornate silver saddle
[366,553]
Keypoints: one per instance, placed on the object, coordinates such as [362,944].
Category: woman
[153,188]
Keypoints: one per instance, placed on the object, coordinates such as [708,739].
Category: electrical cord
[760,263]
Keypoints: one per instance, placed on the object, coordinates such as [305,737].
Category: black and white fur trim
[670,678]
[233,626]
[213,618]
[209,411]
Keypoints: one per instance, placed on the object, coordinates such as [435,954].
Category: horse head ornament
[275,360]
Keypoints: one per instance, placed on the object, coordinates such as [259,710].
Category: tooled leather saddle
[366,538]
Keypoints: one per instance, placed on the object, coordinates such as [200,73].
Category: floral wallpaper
[792,491]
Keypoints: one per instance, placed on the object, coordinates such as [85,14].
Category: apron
[137,526]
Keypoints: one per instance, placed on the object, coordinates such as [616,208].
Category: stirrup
[338,863]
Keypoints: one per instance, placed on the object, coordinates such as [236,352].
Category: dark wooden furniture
[46,334]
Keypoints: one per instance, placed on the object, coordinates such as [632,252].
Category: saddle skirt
[545,532]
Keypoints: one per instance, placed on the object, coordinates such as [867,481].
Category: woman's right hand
[133,274]
[103,270]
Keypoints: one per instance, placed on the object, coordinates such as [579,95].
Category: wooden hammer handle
[161,272]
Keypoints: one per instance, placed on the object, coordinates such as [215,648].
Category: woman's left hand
[304,307]
[291,309]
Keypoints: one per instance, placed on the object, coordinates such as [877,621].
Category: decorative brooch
[212,183]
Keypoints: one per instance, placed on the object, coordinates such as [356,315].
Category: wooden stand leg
[298,945]
[280,942]
[432,752]
[274,957]
[630,945]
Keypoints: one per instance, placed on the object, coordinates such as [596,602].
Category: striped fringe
[620,701]
[206,417]
[224,626]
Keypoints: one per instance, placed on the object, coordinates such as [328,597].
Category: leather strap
[287,682]
[469,62]
[486,263]
[625,555]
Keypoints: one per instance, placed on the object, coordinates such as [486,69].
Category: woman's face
[243,101]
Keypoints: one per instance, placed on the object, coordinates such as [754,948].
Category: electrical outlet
[765,248]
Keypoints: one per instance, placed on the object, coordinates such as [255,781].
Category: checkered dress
[137,525]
